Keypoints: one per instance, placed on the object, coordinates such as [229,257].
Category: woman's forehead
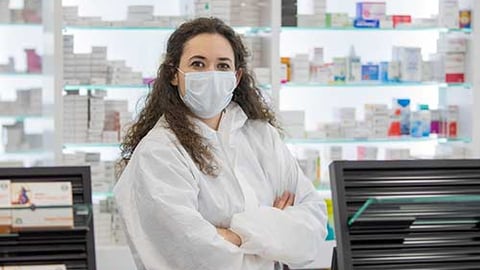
[210,46]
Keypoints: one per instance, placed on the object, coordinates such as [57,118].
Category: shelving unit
[308,94]
[73,247]
[318,99]
[17,37]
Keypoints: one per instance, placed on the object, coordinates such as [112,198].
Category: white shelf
[106,87]
[354,29]
[112,28]
[405,139]
[378,84]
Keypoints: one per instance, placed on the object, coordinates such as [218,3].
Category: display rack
[16,37]
[407,214]
[73,247]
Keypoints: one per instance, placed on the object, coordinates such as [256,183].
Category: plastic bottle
[354,66]
[424,114]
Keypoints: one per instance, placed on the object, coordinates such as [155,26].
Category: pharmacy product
[36,194]
[404,106]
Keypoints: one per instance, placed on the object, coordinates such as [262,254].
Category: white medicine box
[36,267]
[35,195]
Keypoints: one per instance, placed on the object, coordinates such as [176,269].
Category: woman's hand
[284,201]
[230,236]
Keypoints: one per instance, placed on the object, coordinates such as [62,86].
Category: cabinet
[68,33]
[69,245]
[26,95]
[319,100]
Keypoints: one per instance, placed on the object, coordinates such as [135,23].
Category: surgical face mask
[207,93]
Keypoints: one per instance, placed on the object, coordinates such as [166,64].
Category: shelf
[106,86]
[405,139]
[20,25]
[22,118]
[400,29]
[117,28]
[377,84]
[91,145]
[102,195]
[414,199]
[80,212]
[32,152]
[22,75]
[240,29]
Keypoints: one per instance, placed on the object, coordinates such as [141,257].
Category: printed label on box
[31,194]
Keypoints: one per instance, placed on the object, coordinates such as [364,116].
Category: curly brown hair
[164,99]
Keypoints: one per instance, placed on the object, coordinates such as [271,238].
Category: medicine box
[36,267]
[35,194]
[370,72]
[371,10]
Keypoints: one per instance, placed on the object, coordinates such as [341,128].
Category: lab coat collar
[233,118]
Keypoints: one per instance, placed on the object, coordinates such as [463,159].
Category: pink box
[34,61]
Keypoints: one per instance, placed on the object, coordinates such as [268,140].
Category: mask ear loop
[181,71]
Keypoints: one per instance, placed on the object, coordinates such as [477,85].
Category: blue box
[370,72]
[361,23]
[384,72]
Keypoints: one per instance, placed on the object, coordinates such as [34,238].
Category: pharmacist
[209,184]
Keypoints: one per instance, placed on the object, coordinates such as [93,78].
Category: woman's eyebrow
[225,59]
[198,57]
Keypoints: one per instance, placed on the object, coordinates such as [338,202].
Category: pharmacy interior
[380,91]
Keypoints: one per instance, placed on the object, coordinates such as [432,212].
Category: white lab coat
[170,209]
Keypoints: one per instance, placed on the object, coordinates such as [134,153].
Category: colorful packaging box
[362,23]
[35,194]
[371,10]
[465,19]
[399,20]
[370,72]
[454,67]
[330,223]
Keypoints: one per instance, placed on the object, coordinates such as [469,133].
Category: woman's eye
[223,66]
[197,64]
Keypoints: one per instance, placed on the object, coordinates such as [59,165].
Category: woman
[209,183]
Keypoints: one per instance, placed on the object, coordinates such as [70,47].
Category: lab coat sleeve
[157,200]
[292,235]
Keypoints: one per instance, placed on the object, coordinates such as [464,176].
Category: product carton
[371,10]
[36,194]
[36,267]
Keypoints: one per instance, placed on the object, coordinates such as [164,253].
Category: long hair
[164,99]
